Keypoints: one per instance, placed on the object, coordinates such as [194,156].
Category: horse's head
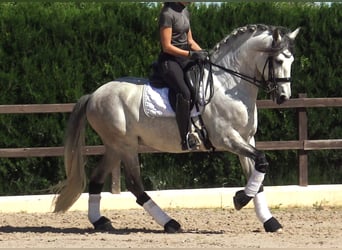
[258,54]
[275,65]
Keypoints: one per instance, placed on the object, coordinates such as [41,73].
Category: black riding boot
[188,141]
[182,118]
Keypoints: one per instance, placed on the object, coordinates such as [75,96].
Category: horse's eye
[278,61]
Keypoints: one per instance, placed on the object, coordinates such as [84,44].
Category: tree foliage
[55,52]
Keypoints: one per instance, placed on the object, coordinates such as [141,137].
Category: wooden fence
[303,145]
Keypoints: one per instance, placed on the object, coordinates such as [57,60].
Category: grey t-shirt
[176,16]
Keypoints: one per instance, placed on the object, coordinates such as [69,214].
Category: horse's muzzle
[281,99]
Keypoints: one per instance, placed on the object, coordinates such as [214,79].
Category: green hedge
[57,52]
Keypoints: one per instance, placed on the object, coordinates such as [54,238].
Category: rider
[178,50]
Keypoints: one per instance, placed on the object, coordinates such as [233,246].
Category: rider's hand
[200,55]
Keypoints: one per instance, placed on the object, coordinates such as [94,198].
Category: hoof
[172,227]
[273,226]
[103,224]
[241,199]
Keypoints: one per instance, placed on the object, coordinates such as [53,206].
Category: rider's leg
[182,118]
[174,77]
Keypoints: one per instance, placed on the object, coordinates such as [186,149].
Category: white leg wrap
[94,207]
[261,209]
[254,183]
[155,211]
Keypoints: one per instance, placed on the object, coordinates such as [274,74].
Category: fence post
[303,135]
[116,183]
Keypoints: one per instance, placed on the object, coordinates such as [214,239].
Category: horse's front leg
[262,211]
[255,180]
[135,185]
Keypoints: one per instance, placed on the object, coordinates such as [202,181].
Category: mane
[242,34]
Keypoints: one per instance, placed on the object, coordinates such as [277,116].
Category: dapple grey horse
[251,57]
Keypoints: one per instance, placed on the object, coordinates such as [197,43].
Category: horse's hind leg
[108,162]
[135,185]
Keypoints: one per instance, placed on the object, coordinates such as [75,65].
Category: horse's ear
[293,34]
[276,36]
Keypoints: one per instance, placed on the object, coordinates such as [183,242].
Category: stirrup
[193,141]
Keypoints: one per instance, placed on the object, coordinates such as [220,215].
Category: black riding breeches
[173,75]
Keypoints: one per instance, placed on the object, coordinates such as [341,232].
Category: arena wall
[319,196]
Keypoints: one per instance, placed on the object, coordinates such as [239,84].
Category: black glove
[200,55]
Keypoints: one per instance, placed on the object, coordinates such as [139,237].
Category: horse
[252,57]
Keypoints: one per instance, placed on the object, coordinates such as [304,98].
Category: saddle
[193,75]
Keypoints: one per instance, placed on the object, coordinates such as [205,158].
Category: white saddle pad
[156,102]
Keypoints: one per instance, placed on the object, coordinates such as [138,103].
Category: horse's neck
[242,56]
[234,85]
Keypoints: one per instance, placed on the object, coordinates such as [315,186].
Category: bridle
[269,85]
[272,82]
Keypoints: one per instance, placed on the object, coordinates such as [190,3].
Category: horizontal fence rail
[303,145]
[306,145]
[36,108]
[301,102]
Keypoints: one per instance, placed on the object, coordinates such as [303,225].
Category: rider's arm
[165,40]
[193,44]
